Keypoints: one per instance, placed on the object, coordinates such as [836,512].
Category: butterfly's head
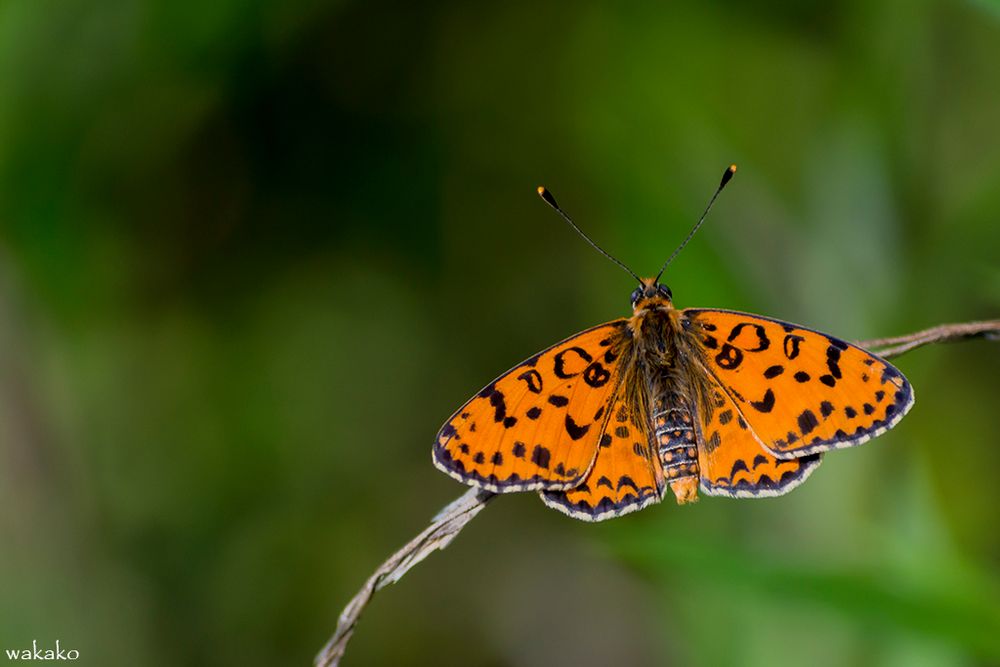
[650,289]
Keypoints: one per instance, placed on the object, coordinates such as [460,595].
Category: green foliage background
[252,255]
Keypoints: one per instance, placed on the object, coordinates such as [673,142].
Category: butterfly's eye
[665,291]
[636,294]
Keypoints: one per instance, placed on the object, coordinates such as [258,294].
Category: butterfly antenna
[728,174]
[551,201]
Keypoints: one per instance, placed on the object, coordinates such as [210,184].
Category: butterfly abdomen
[677,446]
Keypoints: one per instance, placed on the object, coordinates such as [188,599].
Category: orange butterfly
[739,405]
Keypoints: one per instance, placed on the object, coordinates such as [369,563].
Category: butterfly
[728,403]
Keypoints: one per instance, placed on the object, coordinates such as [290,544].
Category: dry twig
[893,347]
[450,520]
[443,529]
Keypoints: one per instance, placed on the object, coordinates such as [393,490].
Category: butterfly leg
[677,447]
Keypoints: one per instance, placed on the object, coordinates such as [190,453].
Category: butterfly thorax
[666,358]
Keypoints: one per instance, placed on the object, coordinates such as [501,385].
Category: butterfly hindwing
[624,478]
[538,425]
[733,462]
[800,391]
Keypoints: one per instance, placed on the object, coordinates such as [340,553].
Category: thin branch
[443,529]
[449,521]
[893,347]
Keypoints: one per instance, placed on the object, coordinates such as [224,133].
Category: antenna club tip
[547,197]
[726,175]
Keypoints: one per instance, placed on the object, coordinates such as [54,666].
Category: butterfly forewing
[536,427]
[799,391]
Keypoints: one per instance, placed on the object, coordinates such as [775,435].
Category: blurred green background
[253,254]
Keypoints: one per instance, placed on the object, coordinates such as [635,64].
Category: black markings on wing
[533,380]
[568,359]
[623,478]
[538,425]
[819,392]
[540,456]
[596,375]
[576,431]
[741,482]
[755,341]
[729,357]
[765,404]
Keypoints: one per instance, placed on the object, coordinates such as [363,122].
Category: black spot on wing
[837,343]
[807,422]
[625,481]
[499,406]
[561,359]
[832,361]
[762,342]
[774,371]
[533,379]
[713,441]
[766,404]
[826,409]
[791,345]
[574,430]
[729,357]
[534,413]
[558,401]
[518,450]
[596,375]
[540,456]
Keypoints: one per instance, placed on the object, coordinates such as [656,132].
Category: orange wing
[625,477]
[538,425]
[733,462]
[800,391]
